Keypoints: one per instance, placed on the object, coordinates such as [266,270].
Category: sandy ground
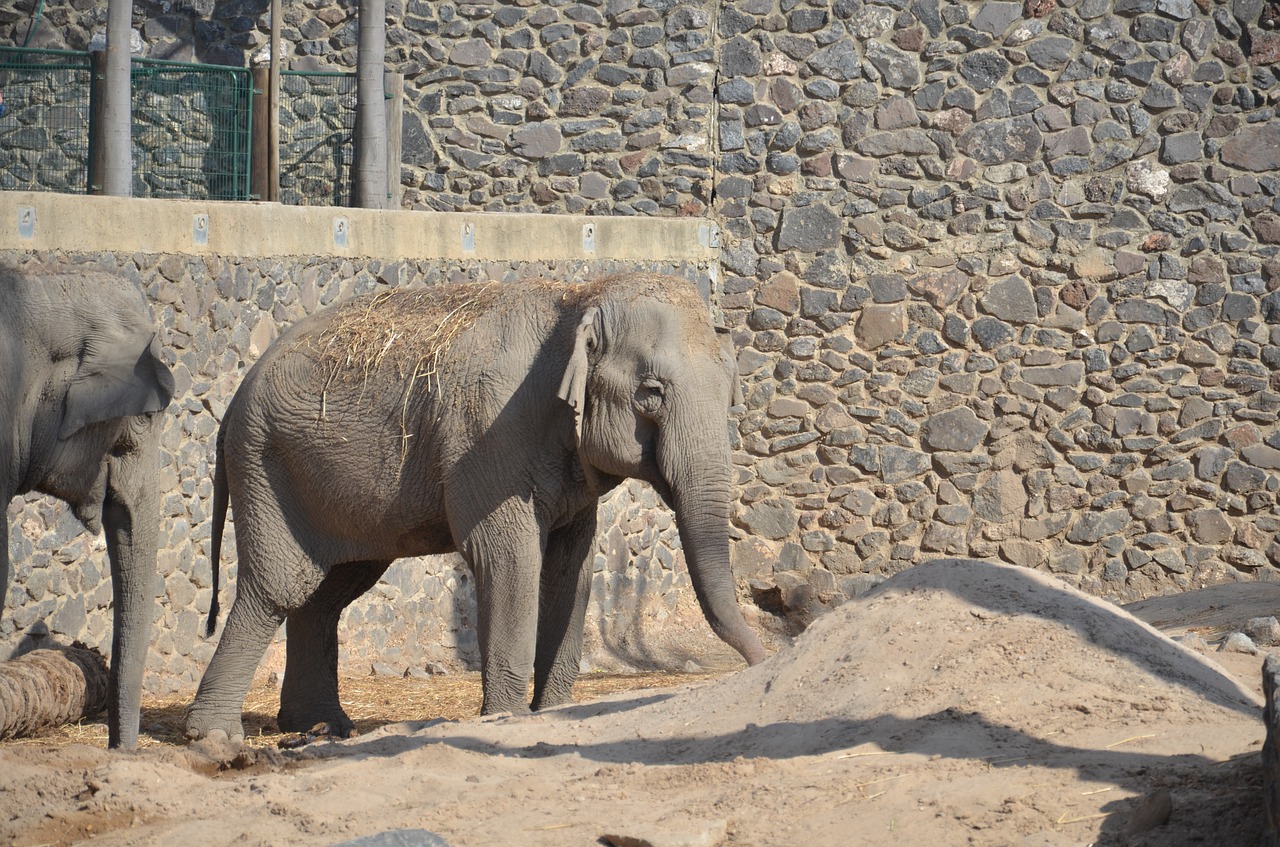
[958,703]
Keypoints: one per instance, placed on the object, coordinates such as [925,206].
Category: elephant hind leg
[309,695]
[251,623]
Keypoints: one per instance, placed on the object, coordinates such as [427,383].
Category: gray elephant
[81,383]
[482,418]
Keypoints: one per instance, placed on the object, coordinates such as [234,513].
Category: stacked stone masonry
[1003,276]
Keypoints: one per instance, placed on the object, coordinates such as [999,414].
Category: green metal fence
[44,131]
[192,130]
[317,131]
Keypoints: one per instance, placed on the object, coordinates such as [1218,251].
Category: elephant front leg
[130,521]
[565,590]
[505,554]
[309,695]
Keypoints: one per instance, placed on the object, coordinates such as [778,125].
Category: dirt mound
[961,702]
[1014,655]
[964,636]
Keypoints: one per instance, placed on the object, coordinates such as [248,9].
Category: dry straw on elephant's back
[407,330]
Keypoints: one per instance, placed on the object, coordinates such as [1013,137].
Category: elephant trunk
[695,464]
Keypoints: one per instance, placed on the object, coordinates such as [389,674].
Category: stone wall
[1002,274]
[577,108]
[1001,279]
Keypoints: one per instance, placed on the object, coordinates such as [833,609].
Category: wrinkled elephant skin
[482,418]
[81,389]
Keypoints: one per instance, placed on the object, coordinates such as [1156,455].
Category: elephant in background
[81,386]
[483,418]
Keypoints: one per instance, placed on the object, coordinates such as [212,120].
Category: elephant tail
[219,521]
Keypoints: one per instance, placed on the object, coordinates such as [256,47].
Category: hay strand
[1129,739]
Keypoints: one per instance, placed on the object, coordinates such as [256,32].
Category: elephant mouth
[651,472]
[661,486]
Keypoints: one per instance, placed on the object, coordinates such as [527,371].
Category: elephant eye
[649,397]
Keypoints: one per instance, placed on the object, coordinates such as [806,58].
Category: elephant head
[651,385]
[81,383]
[117,378]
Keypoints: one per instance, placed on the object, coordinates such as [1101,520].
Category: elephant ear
[730,356]
[573,387]
[120,375]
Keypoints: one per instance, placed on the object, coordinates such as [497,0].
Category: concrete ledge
[49,221]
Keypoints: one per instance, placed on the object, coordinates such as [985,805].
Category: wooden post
[393,83]
[259,158]
[97,144]
[273,109]
[370,171]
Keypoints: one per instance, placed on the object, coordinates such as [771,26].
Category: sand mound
[1016,657]
[961,702]
[972,636]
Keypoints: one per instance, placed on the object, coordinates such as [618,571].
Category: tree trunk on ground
[47,688]
[117,118]
[371,110]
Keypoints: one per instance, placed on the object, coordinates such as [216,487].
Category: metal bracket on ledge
[26,222]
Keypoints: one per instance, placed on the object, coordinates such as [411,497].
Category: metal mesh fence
[192,127]
[317,128]
[44,128]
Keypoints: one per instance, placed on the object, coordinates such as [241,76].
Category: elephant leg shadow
[309,693]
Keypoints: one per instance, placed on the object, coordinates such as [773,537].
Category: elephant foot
[215,749]
[295,719]
[203,723]
[519,708]
[551,699]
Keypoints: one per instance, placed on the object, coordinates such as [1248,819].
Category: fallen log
[50,687]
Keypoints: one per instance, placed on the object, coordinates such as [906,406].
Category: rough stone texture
[630,90]
[1086,244]
[955,429]
[1254,149]
[1087,240]
[810,229]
